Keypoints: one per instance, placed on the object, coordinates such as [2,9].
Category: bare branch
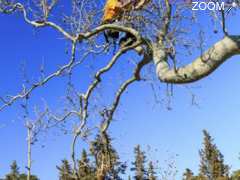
[35,23]
[108,113]
[105,69]
[199,68]
[26,92]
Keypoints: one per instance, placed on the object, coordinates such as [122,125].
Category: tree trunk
[29,141]
[100,177]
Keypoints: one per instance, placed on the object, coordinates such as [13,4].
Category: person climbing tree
[114,11]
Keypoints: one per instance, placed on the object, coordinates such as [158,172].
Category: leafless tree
[34,128]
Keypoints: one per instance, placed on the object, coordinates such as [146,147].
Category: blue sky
[140,120]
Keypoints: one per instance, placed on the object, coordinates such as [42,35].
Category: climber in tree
[114,10]
[111,14]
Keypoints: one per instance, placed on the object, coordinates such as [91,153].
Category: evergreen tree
[14,173]
[108,165]
[212,162]
[24,177]
[188,175]
[65,171]
[236,175]
[222,168]
[85,171]
[139,164]
[151,172]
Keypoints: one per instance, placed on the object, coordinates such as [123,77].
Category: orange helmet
[112,10]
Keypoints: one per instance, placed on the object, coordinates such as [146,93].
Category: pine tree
[14,173]
[188,175]
[235,175]
[151,172]
[65,171]
[212,162]
[139,164]
[222,168]
[108,165]
[85,171]
[24,177]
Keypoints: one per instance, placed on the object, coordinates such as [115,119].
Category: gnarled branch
[199,68]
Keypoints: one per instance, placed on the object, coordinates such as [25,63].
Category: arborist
[113,12]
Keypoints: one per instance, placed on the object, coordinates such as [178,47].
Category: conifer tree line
[15,174]
[211,165]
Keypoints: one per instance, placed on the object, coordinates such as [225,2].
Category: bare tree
[34,128]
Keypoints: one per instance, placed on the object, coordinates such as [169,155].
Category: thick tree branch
[108,114]
[199,68]
[104,27]
[99,74]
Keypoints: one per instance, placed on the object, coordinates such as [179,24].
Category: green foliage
[15,173]
[212,161]
[236,175]
[212,166]
[65,171]
[139,164]
[188,175]
[85,170]
[151,174]
[105,155]
[24,177]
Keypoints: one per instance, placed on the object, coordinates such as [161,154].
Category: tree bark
[199,68]
[29,141]
[100,177]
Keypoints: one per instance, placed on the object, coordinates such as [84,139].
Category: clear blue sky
[139,119]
